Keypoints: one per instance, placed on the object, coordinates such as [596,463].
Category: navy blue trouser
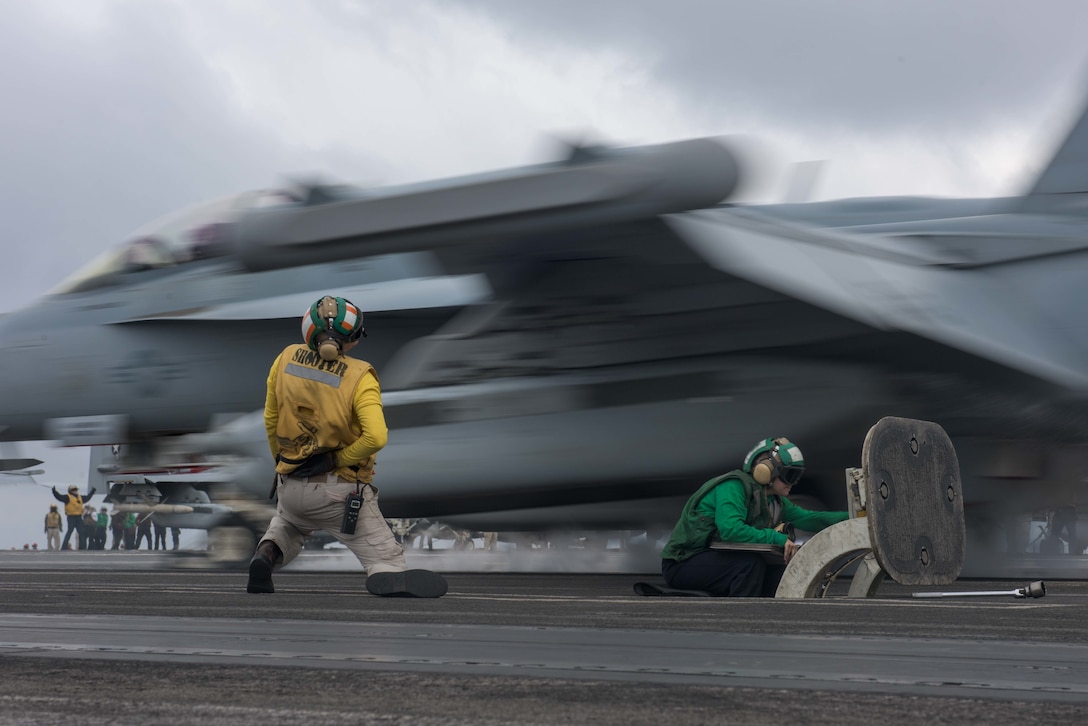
[724,573]
[75,524]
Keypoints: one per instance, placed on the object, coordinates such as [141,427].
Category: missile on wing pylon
[154,508]
[609,187]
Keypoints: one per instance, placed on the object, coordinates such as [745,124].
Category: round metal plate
[915,501]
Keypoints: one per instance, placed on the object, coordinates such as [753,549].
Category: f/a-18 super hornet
[581,343]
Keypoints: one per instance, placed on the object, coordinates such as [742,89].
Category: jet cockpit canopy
[195,233]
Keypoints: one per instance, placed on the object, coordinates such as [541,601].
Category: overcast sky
[118,111]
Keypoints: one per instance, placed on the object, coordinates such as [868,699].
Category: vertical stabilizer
[1067,174]
[103,462]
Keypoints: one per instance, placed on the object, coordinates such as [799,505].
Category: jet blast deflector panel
[915,501]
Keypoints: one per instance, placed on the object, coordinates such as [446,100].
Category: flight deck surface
[83,634]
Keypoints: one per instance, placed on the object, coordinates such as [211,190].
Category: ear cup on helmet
[329,349]
[764,462]
[756,464]
[765,471]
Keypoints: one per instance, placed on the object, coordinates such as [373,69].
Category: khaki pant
[314,503]
[52,536]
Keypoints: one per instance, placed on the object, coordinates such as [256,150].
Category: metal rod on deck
[1032,589]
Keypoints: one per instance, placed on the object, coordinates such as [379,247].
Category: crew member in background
[747,505]
[324,419]
[130,530]
[90,521]
[101,524]
[117,526]
[143,529]
[53,526]
[73,510]
[160,535]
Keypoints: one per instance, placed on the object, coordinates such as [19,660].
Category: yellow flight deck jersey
[313,406]
[74,506]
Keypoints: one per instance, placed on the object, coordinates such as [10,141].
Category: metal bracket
[821,559]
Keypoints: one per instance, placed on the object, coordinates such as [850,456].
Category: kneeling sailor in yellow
[324,419]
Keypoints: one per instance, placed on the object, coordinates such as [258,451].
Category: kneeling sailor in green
[745,506]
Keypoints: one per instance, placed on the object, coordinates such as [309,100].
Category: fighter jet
[581,343]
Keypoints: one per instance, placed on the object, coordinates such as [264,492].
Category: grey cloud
[107,130]
[846,63]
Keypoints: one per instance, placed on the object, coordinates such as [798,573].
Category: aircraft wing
[13,466]
[994,305]
[1001,308]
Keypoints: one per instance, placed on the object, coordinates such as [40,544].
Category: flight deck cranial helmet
[73,488]
[772,459]
[330,323]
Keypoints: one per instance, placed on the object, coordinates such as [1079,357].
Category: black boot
[410,583]
[267,556]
